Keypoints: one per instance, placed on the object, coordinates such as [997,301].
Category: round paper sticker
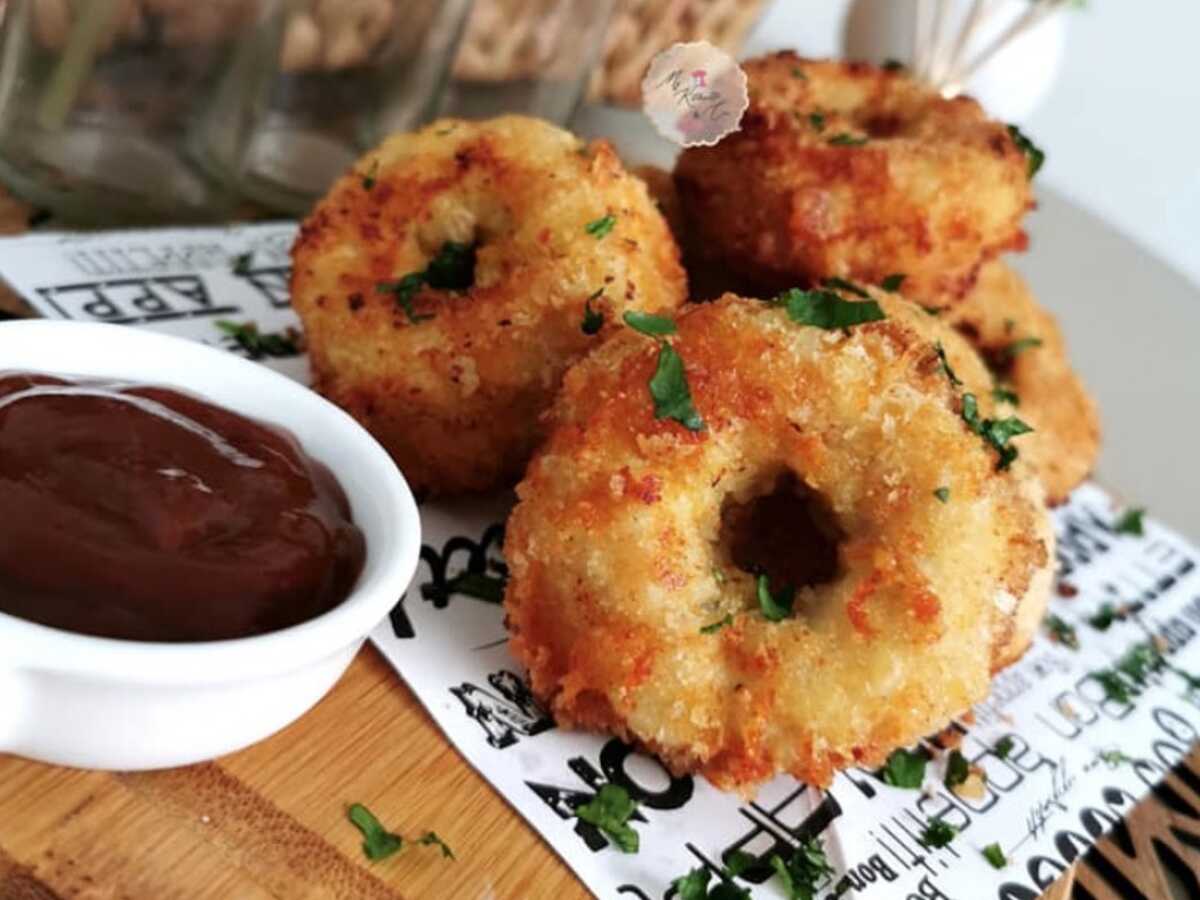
[694,94]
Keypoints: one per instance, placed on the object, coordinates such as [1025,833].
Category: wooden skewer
[1037,12]
[980,12]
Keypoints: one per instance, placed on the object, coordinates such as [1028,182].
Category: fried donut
[851,171]
[1027,355]
[639,549]
[447,282]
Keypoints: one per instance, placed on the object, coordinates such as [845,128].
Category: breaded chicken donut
[651,564]
[851,171]
[449,279]
[1027,355]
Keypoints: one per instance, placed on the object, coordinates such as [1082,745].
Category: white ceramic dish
[107,704]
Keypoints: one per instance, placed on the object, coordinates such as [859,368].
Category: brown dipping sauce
[138,512]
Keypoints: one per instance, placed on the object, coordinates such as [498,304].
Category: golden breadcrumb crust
[455,398]
[618,561]
[797,195]
[996,314]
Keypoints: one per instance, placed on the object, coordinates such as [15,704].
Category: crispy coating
[796,195]
[997,314]
[455,398]
[620,553]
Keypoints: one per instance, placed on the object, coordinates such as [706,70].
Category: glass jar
[324,82]
[98,100]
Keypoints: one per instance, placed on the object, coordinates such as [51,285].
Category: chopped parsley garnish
[957,769]
[892,283]
[1103,618]
[943,494]
[1061,633]
[944,365]
[372,173]
[452,269]
[817,121]
[1130,523]
[1114,686]
[1033,156]
[648,324]
[775,608]
[904,769]
[798,72]
[847,140]
[842,284]
[938,833]
[669,388]
[600,227]
[259,344]
[801,872]
[1114,758]
[241,264]
[934,311]
[994,855]
[718,575]
[610,811]
[1003,747]
[825,309]
[480,585]
[593,320]
[1016,348]
[995,432]
[892,65]
[716,626]
[1003,395]
[379,843]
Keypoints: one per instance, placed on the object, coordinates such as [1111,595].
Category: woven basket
[502,40]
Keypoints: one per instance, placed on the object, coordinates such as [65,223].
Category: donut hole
[787,533]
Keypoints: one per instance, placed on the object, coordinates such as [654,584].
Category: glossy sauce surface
[139,512]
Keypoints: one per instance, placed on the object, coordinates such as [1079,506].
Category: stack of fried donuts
[787,530]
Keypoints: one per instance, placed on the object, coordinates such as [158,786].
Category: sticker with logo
[694,93]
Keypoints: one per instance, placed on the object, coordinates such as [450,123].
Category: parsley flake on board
[847,140]
[593,320]
[849,287]
[825,309]
[943,494]
[996,433]
[1003,747]
[1131,523]
[669,389]
[1061,633]
[714,627]
[1103,618]
[610,811]
[379,843]
[994,855]
[1114,758]
[944,365]
[241,264]
[892,283]
[904,769]
[938,833]
[261,344]
[801,872]
[1033,156]
[957,769]
[649,324]
[600,227]
[775,608]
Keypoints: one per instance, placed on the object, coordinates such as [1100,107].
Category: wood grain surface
[269,822]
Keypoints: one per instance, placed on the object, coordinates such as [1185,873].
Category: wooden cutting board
[269,822]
